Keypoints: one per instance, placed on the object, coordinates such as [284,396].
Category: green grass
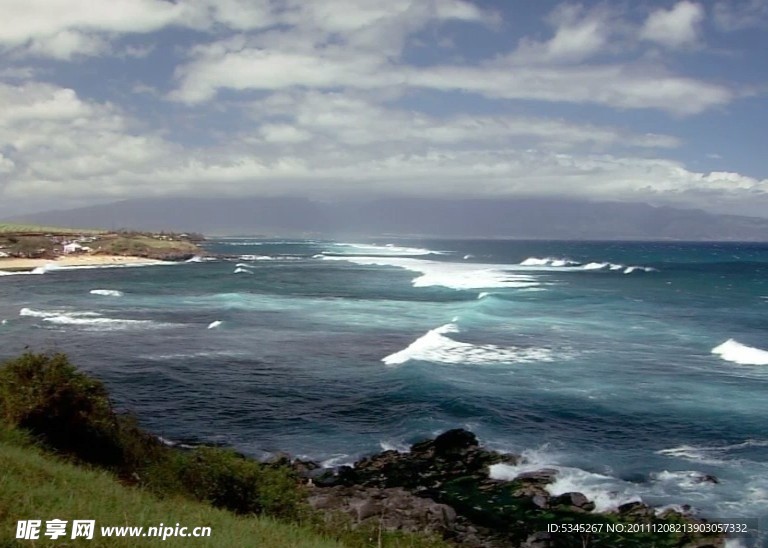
[140,245]
[38,486]
[12,228]
[48,406]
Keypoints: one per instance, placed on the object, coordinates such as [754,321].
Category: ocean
[635,369]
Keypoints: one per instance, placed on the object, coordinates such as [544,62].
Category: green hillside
[34,485]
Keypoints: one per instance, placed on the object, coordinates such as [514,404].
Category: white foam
[31,312]
[568,265]
[50,267]
[53,267]
[241,270]
[436,347]
[684,479]
[201,259]
[713,454]
[691,453]
[215,324]
[468,256]
[399,446]
[378,250]
[107,292]
[606,492]
[337,460]
[733,351]
[631,269]
[452,275]
[87,319]
[250,242]
[549,261]
[483,295]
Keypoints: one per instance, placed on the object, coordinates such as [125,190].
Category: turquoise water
[594,357]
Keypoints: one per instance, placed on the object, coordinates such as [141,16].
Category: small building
[73,247]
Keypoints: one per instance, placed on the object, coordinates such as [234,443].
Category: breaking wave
[733,351]
[451,275]
[605,491]
[548,261]
[85,319]
[711,454]
[107,292]
[435,346]
[376,250]
[569,264]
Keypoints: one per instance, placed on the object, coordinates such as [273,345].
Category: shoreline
[28,265]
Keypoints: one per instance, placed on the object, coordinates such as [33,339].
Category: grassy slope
[141,245]
[24,228]
[37,486]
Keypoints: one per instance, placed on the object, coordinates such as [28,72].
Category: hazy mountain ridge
[481,218]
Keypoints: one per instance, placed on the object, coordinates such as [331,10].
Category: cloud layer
[338,98]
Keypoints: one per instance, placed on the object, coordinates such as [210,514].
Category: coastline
[27,265]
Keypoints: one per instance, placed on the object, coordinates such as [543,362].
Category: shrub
[70,412]
[229,480]
[67,410]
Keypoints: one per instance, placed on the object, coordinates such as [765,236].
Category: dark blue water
[595,357]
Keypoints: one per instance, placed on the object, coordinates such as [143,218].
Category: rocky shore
[444,486]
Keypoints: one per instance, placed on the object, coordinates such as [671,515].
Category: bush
[70,412]
[228,480]
[67,410]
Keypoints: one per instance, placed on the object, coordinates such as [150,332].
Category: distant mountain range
[532,218]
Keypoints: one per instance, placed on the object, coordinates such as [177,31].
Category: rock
[540,501]
[543,476]
[574,501]
[394,509]
[707,478]
[443,486]
[367,508]
[636,510]
[539,539]
[305,468]
[279,459]
[454,441]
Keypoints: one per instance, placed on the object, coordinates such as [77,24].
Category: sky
[645,101]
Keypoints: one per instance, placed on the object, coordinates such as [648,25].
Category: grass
[140,245]
[14,228]
[37,486]
[127,477]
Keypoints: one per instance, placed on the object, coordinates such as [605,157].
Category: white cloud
[356,121]
[62,21]
[67,44]
[283,133]
[60,144]
[232,64]
[324,84]
[735,15]
[59,147]
[578,35]
[676,27]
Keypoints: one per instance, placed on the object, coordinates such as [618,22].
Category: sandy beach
[16,265]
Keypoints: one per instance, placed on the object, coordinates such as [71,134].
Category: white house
[74,247]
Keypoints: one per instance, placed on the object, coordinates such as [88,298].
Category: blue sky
[654,101]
